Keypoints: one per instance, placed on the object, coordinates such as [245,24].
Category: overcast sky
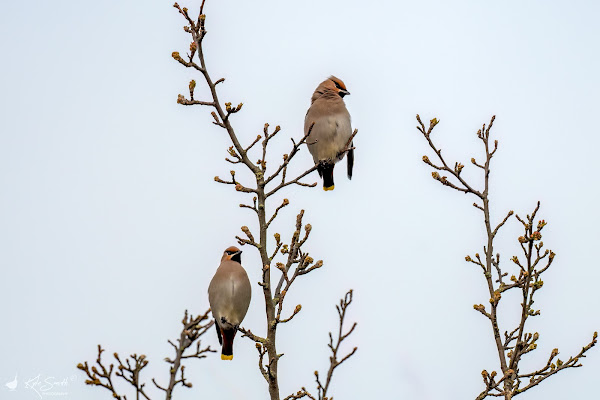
[111,224]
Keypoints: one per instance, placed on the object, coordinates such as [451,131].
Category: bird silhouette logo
[13,384]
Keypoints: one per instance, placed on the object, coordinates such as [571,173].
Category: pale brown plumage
[332,129]
[229,296]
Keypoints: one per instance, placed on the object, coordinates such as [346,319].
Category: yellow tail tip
[224,357]
[328,188]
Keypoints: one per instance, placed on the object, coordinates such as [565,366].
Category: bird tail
[227,349]
[326,171]
[350,161]
[219,333]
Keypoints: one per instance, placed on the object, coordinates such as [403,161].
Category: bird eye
[337,85]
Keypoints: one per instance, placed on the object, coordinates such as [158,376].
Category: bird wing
[229,293]
[350,161]
[331,130]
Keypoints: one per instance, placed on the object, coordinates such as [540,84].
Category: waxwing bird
[229,296]
[331,131]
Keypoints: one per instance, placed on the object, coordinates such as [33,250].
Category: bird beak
[344,92]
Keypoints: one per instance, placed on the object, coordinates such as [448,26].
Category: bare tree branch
[334,346]
[518,342]
[190,334]
[130,368]
[298,263]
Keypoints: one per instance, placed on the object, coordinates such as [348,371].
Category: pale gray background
[111,224]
